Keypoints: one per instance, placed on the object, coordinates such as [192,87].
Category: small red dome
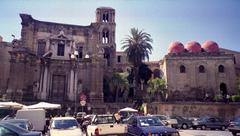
[176,47]
[210,46]
[193,47]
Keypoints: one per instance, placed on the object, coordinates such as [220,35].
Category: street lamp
[74,58]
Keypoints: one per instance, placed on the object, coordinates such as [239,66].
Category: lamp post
[74,58]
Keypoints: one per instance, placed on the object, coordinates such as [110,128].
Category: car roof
[16,120]
[63,118]
[13,127]
[104,115]
[140,117]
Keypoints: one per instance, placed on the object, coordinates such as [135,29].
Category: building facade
[194,71]
[57,62]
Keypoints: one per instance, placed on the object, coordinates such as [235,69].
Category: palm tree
[157,87]
[137,46]
[118,84]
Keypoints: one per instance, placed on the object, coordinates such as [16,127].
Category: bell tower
[105,18]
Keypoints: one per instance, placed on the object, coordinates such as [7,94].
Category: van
[35,116]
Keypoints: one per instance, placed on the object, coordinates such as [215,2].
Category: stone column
[44,89]
[71,93]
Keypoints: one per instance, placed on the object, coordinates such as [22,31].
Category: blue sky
[165,20]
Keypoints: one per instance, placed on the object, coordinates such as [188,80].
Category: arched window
[105,17]
[182,69]
[201,69]
[105,36]
[221,69]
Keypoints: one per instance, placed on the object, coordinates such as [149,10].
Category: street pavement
[200,133]
[204,133]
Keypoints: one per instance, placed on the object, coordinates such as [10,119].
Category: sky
[165,20]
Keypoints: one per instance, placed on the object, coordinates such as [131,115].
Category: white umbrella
[43,105]
[127,109]
[11,105]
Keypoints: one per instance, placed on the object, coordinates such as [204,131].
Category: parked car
[105,124]
[64,126]
[23,123]
[167,120]
[234,126]
[8,129]
[149,125]
[183,123]
[210,122]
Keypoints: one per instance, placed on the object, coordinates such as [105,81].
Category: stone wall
[194,109]
[5,65]
[103,108]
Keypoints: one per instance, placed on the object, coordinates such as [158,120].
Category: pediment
[61,36]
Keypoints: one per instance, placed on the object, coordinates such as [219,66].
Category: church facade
[194,71]
[58,62]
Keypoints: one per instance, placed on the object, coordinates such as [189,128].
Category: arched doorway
[223,89]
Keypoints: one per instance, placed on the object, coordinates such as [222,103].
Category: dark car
[23,123]
[8,129]
[148,125]
[234,126]
[183,123]
[167,120]
[210,122]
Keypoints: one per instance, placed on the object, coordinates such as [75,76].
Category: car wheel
[203,127]
[184,126]
[223,128]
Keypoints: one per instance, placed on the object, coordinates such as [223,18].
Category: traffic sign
[82,103]
[83,97]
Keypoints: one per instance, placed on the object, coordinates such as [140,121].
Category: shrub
[235,98]
[218,98]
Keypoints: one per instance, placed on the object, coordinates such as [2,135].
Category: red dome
[210,46]
[193,47]
[176,47]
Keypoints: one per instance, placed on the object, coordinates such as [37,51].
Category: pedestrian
[228,97]
[206,96]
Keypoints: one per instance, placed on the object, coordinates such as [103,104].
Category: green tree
[137,46]
[119,84]
[157,87]
[145,73]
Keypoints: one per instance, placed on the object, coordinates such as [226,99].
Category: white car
[105,125]
[64,126]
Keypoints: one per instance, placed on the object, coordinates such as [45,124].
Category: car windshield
[64,124]
[104,119]
[150,121]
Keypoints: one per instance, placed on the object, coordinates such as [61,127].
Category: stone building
[194,71]
[5,65]
[57,62]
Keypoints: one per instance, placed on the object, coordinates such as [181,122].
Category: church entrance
[58,88]
[223,89]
